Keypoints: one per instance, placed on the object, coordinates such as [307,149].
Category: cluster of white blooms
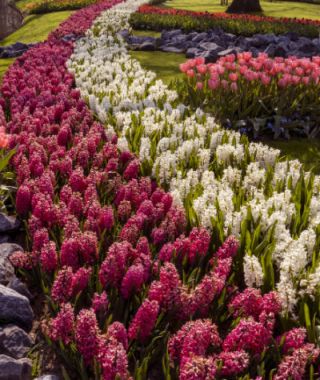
[217,175]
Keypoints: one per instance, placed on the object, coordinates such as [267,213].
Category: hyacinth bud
[87,334]
[62,326]
[23,200]
[144,321]
[132,170]
[49,257]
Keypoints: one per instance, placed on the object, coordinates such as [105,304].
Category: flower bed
[257,89]
[57,6]
[158,18]
[225,183]
[124,266]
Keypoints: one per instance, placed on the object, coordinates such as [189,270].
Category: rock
[13,369]
[4,239]
[191,35]
[193,52]
[172,49]
[19,287]
[305,45]
[180,38]
[231,50]
[270,50]
[48,377]
[14,341]
[6,249]
[70,37]
[169,34]
[6,271]
[281,50]
[148,46]
[292,36]
[209,46]
[124,33]
[199,37]
[209,56]
[8,223]
[258,42]
[15,308]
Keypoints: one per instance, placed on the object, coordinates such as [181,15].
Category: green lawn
[4,64]
[36,28]
[307,151]
[166,65]
[275,9]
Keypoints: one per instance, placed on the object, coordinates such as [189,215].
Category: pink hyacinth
[113,268]
[62,326]
[48,257]
[23,200]
[113,360]
[228,249]
[294,366]
[106,218]
[233,363]
[293,339]
[80,280]
[62,287]
[247,303]
[144,321]
[100,302]
[132,281]
[118,332]
[166,291]
[194,338]
[248,335]
[198,368]
[87,334]
[132,170]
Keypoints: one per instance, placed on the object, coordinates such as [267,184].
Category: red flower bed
[149,9]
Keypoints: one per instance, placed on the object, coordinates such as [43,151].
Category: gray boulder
[200,37]
[172,49]
[14,341]
[231,50]
[148,46]
[192,52]
[169,34]
[6,249]
[6,271]
[210,46]
[13,369]
[270,50]
[281,50]
[15,308]
[19,287]
[8,223]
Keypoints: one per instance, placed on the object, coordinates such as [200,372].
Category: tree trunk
[244,6]
[10,18]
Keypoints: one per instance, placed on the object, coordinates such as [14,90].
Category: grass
[307,151]
[274,9]
[149,33]
[24,5]
[4,64]
[36,28]
[165,65]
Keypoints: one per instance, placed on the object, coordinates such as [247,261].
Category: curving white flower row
[225,183]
